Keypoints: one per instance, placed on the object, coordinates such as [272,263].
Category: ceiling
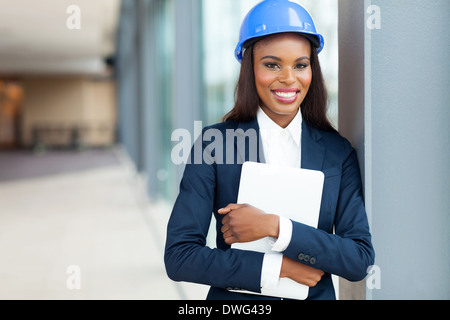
[35,38]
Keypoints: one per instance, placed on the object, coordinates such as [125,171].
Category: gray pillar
[351,100]
[144,78]
[127,81]
[410,115]
[188,81]
[405,148]
[149,96]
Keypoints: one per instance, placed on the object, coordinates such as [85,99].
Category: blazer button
[312,260]
[301,256]
[306,259]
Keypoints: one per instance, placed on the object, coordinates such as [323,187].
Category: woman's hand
[244,223]
[300,272]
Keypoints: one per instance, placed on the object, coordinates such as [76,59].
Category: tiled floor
[86,224]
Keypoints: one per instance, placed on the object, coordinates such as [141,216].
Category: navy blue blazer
[212,184]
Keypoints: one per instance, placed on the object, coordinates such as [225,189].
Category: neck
[281,119]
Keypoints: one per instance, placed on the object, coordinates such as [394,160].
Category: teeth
[286,94]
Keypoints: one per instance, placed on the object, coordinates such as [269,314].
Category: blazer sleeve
[348,253]
[187,258]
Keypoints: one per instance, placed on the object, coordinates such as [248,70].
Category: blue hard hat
[277,16]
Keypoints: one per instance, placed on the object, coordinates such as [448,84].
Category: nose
[287,76]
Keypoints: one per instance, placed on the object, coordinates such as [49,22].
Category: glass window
[221,25]
[165,37]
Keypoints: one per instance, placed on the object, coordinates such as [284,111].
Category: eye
[302,66]
[271,65]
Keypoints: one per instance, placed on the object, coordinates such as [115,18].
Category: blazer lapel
[313,150]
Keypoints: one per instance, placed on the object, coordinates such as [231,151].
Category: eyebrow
[279,59]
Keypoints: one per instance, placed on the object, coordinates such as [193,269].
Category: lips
[286,95]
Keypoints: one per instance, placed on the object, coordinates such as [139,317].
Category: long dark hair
[313,108]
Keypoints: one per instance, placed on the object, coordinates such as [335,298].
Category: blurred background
[129,75]
[91,91]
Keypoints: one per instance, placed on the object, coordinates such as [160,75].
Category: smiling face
[283,75]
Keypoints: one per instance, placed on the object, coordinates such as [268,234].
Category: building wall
[404,144]
[11,96]
[410,72]
[351,101]
[60,104]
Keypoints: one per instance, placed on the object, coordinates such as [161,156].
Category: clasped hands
[245,223]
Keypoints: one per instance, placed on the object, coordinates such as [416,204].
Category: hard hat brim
[315,42]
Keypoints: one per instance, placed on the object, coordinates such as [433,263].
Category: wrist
[273,225]
[284,272]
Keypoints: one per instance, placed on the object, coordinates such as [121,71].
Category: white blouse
[281,147]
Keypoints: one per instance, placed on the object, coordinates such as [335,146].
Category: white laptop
[293,193]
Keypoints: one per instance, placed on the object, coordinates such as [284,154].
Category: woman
[281,95]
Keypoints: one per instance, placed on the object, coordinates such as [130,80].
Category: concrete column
[410,139]
[188,80]
[127,81]
[404,147]
[149,95]
[351,99]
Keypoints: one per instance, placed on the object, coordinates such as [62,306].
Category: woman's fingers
[229,237]
[300,273]
[230,207]
[225,227]
[230,240]
[225,210]
[245,223]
